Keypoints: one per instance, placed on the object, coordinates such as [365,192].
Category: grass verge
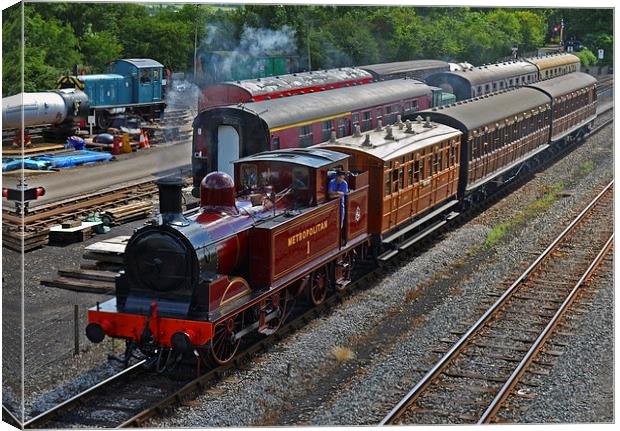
[550,194]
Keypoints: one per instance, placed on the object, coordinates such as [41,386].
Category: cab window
[300,178]
[145,76]
[248,176]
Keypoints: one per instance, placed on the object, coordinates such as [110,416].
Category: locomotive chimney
[170,200]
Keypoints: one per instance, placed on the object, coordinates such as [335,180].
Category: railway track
[32,230]
[487,365]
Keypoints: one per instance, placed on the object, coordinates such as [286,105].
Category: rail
[457,347]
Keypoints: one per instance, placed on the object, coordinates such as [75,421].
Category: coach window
[479,89]
[275,143]
[452,153]
[305,136]
[341,130]
[395,172]
[422,158]
[366,121]
[487,88]
[389,114]
[327,129]
[388,176]
[416,170]
[407,107]
[356,119]
[410,170]
[378,114]
[494,86]
[401,173]
[501,84]
[435,160]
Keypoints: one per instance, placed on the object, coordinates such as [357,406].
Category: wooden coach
[573,102]
[413,173]
[275,87]
[500,132]
[486,79]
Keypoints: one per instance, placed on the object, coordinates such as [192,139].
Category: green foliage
[604,41]
[586,57]
[11,50]
[59,35]
[100,49]
[586,168]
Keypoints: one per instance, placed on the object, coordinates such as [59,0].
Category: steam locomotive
[198,283]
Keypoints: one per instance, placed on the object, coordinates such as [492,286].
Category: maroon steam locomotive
[198,283]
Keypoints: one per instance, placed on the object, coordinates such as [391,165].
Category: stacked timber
[126,213]
[97,275]
[18,240]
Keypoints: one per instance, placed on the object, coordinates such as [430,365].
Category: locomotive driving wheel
[224,346]
[103,120]
[318,286]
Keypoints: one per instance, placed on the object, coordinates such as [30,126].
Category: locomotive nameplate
[286,245]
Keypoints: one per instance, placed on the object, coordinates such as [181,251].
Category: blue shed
[145,78]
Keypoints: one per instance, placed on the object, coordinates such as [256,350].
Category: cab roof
[141,62]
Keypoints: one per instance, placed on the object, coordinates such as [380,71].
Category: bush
[586,57]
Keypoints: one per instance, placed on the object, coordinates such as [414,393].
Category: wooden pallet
[17,152]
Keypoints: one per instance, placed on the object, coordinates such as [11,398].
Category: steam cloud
[252,42]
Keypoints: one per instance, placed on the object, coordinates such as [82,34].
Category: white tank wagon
[49,107]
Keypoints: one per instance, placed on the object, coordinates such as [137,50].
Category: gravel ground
[583,379]
[322,391]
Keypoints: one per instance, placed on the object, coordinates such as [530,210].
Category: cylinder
[50,107]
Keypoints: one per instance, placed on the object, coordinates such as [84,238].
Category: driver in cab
[338,187]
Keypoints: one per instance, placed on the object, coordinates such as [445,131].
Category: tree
[604,41]
[586,57]
[11,50]
[532,29]
[100,49]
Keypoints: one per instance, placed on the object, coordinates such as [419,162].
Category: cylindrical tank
[49,107]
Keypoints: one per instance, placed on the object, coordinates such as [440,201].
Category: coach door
[227,148]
